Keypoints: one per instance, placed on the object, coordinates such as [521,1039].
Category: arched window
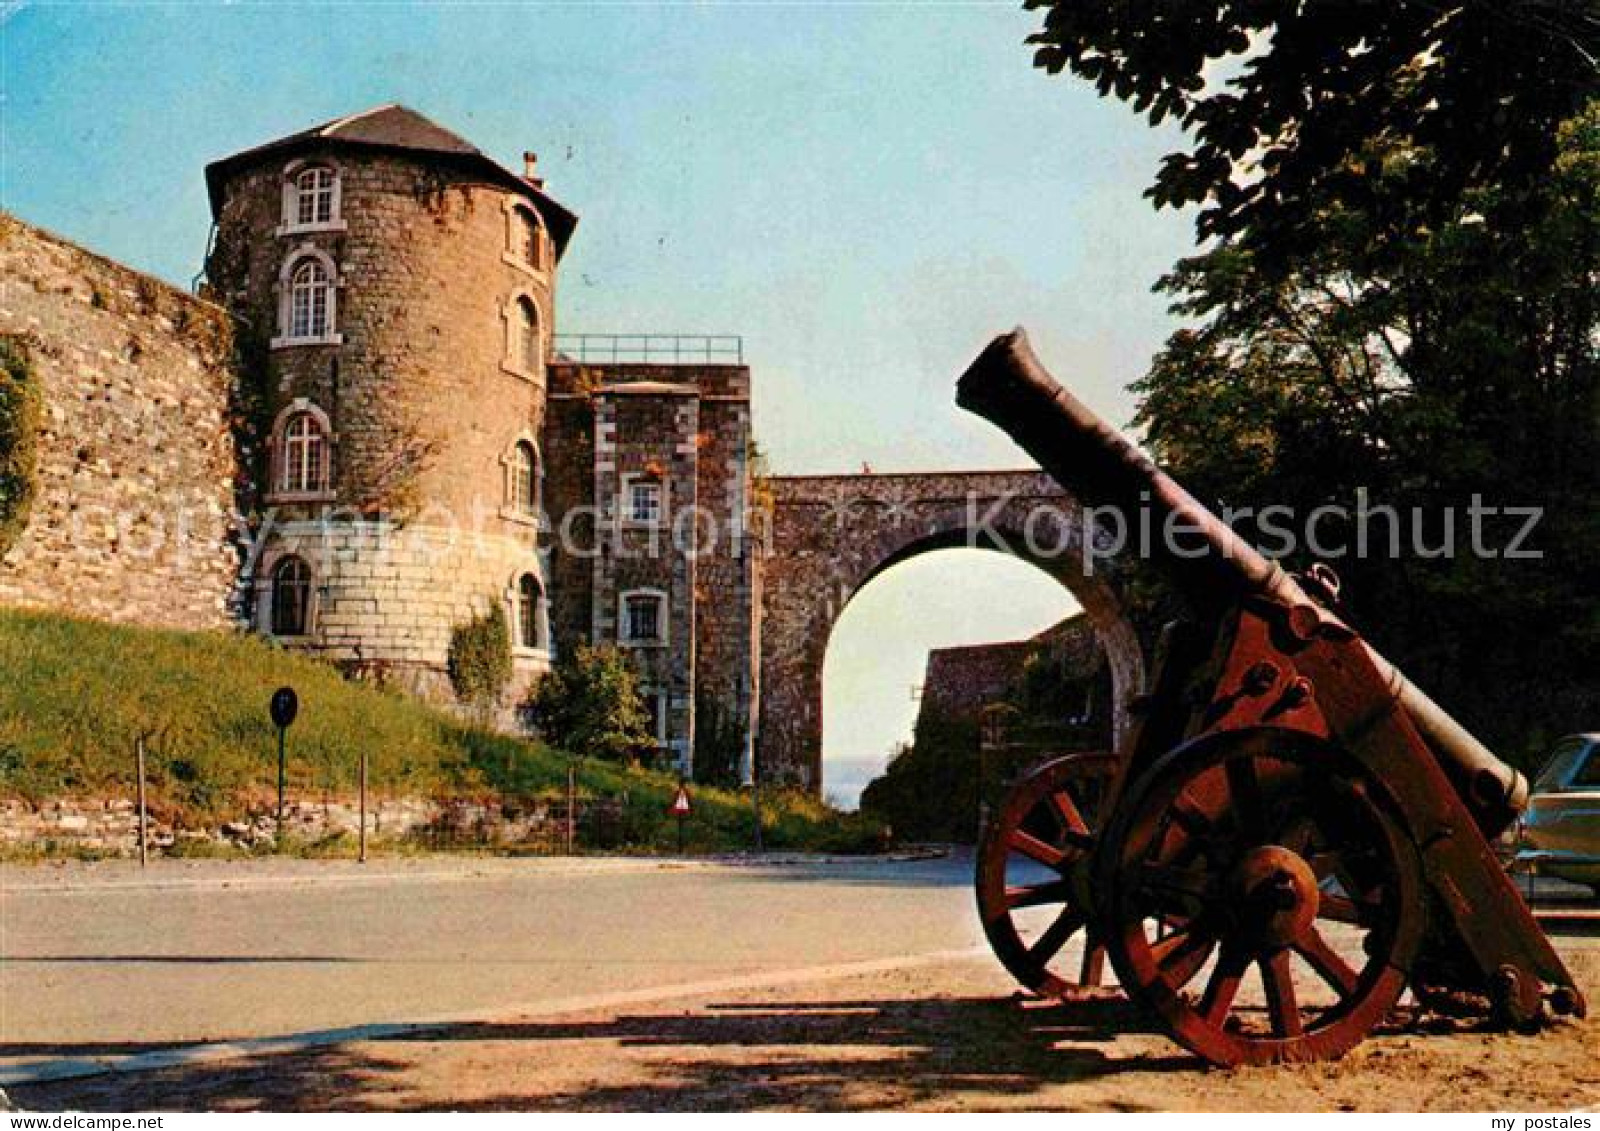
[530,239]
[310,300]
[524,478]
[302,456]
[528,353]
[291,597]
[529,595]
[313,196]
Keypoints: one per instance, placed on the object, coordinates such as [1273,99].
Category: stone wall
[388,597]
[110,827]
[134,518]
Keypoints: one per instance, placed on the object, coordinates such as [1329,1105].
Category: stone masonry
[135,514]
[686,430]
[831,535]
[375,436]
[417,378]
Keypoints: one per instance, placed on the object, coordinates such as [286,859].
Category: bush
[589,704]
[480,659]
[19,427]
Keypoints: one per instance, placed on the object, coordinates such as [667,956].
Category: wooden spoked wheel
[1033,876]
[1279,854]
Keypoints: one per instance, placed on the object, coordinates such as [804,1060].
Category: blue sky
[866,193]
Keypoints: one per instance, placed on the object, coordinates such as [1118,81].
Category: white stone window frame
[270,561]
[625,501]
[663,709]
[289,216]
[511,319]
[508,493]
[275,454]
[517,211]
[285,289]
[540,650]
[663,610]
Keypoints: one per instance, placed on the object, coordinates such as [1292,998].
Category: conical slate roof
[396,127]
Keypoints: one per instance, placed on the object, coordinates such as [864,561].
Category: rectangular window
[643,618]
[644,503]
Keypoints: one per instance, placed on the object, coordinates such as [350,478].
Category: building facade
[649,491]
[423,455]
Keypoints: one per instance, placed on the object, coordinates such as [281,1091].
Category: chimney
[530,168]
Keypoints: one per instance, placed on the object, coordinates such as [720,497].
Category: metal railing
[651,349]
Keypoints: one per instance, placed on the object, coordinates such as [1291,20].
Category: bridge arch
[831,535]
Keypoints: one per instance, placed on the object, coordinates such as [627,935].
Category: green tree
[1398,293]
[480,659]
[1283,99]
[589,704]
[1426,359]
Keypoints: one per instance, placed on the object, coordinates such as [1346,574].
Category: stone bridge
[832,534]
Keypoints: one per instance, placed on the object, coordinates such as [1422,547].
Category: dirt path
[948,1038]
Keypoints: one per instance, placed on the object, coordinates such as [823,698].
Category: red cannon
[1292,835]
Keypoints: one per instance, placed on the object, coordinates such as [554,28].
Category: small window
[642,618]
[644,502]
[310,300]
[530,239]
[529,596]
[303,458]
[313,196]
[524,478]
[291,597]
[528,352]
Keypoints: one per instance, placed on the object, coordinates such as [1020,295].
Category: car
[1560,832]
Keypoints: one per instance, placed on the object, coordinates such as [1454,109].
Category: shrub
[19,427]
[589,704]
[480,659]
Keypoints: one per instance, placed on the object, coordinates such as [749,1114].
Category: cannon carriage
[1291,836]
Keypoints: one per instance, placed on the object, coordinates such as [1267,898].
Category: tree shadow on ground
[807,1054]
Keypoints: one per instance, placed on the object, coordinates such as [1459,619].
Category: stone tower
[394,294]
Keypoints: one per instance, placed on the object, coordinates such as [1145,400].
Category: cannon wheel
[1284,855]
[1049,818]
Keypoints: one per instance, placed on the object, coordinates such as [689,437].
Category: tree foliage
[1397,294]
[1282,99]
[589,704]
[20,410]
[1426,361]
[480,659]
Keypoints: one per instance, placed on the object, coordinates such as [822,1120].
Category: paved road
[107,962]
[126,963]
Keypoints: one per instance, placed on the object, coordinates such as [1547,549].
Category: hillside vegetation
[77,694]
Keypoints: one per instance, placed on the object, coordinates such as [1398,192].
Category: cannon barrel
[1008,386]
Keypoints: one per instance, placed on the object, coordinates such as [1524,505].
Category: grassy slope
[75,694]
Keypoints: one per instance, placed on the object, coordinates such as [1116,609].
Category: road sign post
[680,808]
[572,808]
[362,839]
[144,813]
[284,707]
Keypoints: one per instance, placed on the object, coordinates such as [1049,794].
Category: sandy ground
[953,1037]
